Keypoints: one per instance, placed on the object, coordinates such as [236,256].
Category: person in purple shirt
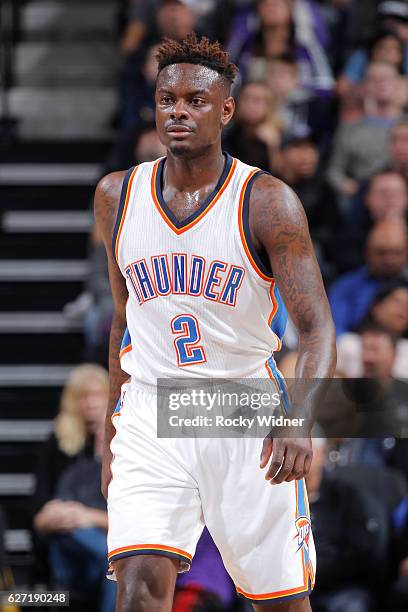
[207,583]
[386,255]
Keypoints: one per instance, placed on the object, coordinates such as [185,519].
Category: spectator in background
[399,149]
[206,586]
[211,17]
[282,77]
[361,148]
[386,257]
[134,147]
[68,508]
[294,27]
[394,16]
[294,106]
[390,310]
[148,20]
[173,19]
[298,165]
[384,399]
[347,540]
[137,105]
[385,47]
[253,137]
[385,197]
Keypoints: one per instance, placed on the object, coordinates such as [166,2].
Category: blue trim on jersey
[126,340]
[281,384]
[302,512]
[166,210]
[245,225]
[280,318]
[118,405]
[120,209]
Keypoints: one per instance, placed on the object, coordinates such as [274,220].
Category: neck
[191,174]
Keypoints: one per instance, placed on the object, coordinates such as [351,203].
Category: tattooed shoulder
[275,208]
[278,223]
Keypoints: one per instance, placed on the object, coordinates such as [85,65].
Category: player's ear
[227,110]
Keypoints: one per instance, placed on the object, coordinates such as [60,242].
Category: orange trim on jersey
[181,230]
[147,547]
[122,220]
[274,302]
[125,350]
[307,572]
[274,310]
[268,369]
[274,594]
[241,228]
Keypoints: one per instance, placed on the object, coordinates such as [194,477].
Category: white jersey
[201,302]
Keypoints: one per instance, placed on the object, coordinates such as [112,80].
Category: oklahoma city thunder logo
[302,524]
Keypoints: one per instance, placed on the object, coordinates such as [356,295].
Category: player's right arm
[106,204]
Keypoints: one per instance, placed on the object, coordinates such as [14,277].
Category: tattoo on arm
[278,225]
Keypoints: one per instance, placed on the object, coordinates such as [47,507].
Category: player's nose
[179,110]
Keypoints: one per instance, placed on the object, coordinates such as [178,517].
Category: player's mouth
[179,130]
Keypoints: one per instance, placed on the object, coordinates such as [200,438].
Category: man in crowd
[361,148]
[386,259]
[348,541]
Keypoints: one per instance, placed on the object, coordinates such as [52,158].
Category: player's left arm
[278,225]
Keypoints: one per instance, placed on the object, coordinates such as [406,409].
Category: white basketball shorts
[164,490]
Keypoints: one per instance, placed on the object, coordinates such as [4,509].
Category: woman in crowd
[69,511]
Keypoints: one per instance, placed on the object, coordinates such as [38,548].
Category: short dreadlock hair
[193,50]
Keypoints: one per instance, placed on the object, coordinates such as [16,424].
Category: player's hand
[290,458]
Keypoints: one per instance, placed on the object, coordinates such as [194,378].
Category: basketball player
[203,251]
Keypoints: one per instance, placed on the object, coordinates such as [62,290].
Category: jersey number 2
[188,351]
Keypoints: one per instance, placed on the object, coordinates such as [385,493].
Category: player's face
[192,107]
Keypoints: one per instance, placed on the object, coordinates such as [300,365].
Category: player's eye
[197,101]
[165,100]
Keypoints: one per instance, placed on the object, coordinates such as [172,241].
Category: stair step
[72,64]
[17,484]
[49,174]
[43,197]
[44,375]
[43,246]
[43,270]
[73,20]
[18,540]
[51,295]
[42,221]
[67,152]
[62,348]
[28,402]
[63,113]
[25,431]
[37,323]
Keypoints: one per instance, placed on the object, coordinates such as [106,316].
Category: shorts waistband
[162,389]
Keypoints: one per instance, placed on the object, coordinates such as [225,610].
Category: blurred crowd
[322,103]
